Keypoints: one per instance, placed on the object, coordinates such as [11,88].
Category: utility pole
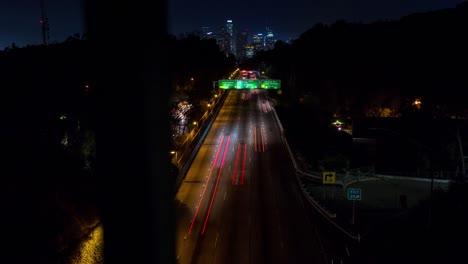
[44,24]
[460,147]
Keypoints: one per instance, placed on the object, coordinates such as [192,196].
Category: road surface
[239,202]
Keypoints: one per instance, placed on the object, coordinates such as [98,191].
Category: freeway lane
[239,202]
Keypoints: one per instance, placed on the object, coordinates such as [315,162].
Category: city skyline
[20,20]
[292,18]
[215,28]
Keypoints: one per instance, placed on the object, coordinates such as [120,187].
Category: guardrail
[185,148]
[323,211]
[187,162]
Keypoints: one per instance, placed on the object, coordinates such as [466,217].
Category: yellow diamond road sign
[329,177]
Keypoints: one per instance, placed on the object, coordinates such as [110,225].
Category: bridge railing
[328,215]
[189,148]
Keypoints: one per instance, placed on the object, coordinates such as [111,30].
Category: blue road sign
[354,194]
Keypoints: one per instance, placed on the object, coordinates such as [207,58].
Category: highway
[239,201]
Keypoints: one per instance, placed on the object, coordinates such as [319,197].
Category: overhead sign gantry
[249,84]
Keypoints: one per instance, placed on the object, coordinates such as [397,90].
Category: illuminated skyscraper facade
[241,43]
[225,38]
[224,41]
[249,51]
[269,39]
[230,32]
[258,42]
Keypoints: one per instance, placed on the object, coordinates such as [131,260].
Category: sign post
[354,209]
[353,194]
[329,177]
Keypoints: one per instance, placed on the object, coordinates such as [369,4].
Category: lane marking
[234,175]
[263,143]
[216,241]
[255,138]
[243,164]
[216,186]
[206,185]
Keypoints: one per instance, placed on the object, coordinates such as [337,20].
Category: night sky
[289,18]
[19,19]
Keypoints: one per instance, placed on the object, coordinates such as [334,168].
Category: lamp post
[208,111]
[191,82]
[175,152]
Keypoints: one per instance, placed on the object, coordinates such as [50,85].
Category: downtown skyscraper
[225,38]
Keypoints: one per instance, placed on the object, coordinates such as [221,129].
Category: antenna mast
[44,24]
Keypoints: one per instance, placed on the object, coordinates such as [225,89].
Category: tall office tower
[230,31]
[241,43]
[206,33]
[269,39]
[258,42]
[249,51]
[224,41]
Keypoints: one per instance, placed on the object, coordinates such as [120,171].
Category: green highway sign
[249,84]
[353,194]
[252,84]
[227,84]
[271,84]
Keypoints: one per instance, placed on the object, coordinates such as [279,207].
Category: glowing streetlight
[175,152]
[338,124]
[417,103]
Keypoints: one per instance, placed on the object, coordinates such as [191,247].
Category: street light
[417,103]
[175,152]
